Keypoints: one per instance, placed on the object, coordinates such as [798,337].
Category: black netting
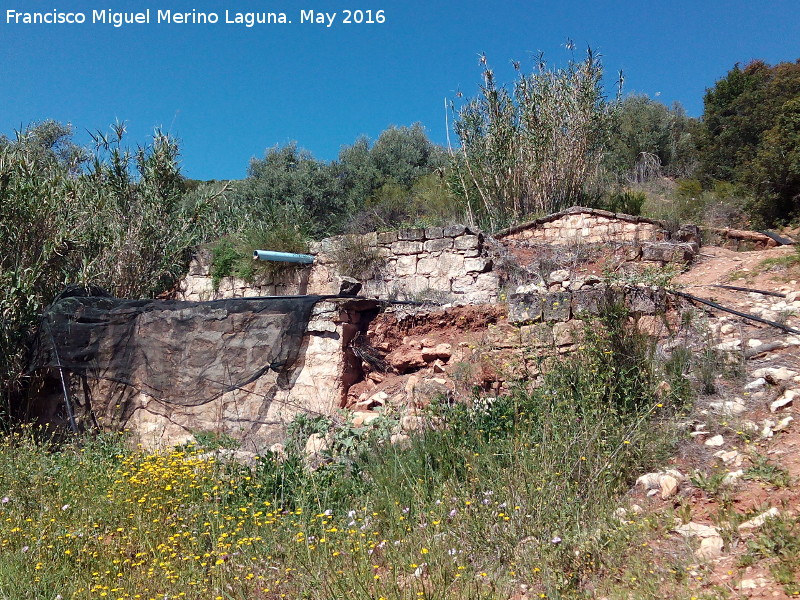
[185,353]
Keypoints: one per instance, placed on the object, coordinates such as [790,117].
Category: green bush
[533,149]
[108,216]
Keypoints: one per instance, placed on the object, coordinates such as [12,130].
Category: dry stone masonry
[347,353]
[650,240]
[435,263]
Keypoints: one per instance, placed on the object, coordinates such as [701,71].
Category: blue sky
[229,92]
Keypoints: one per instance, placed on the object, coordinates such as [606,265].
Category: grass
[778,541]
[765,471]
[516,492]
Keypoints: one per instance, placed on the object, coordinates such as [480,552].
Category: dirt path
[753,429]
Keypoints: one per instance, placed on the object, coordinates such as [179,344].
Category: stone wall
[449,264]
[255,413]
[586,225]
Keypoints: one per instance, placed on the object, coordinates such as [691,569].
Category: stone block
[567,333]
[539,335]
[454,230]
[432,233]
[587,302]
[406,265]
[466,242]
[427,265]
[668,252]
[451,264]
[487,282]
[463,285]
[557,306]
[387,237]
[407,247]
[439,284]
[525,307]
[477,265]
[645,300]
[411,235]
[438,244]
[503,337]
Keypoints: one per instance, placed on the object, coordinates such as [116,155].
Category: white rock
[750,426]
[782,424]
[785,400]
[361,418]
[781,374]
[731,408]
[729,346]
[676,474]
[410,423]
[730,456]
[558,276]
[715,441]
[649,481]
[652,493]
[757,384]
[753,343]
[766,430]
[316,444]
[693,529]
[732,477]
[401,440]
[727,329]
[710,548]
[669,486]
[752,584]
[758,521]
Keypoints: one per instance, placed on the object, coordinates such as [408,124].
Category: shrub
[110,217]
[533,149]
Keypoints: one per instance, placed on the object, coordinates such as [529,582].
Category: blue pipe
[306,259]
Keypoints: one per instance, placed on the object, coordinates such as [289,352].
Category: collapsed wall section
[644,239]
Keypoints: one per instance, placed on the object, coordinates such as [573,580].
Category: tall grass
[497,494]
[533,149]
[111,217]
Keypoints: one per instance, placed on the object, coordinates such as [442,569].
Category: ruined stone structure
[229,367]
[166,370]
[452,264]
[588,226]
[645,239]
[435,263]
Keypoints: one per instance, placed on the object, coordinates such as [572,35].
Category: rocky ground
[732,488]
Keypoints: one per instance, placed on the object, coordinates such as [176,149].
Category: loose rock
[758,521]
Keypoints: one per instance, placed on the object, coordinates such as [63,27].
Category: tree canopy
[751,136]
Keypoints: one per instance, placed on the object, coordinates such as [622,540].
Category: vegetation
[751,137]
[533,149]
[107,216]
[464,511]
[651,140]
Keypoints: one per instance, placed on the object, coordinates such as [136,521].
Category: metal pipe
[306,259]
